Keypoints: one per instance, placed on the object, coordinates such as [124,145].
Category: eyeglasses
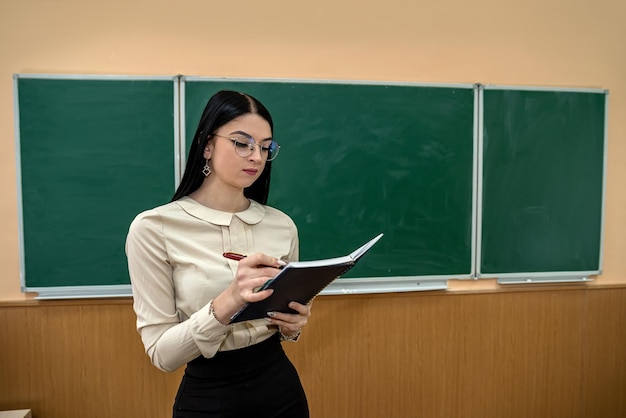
[245,145]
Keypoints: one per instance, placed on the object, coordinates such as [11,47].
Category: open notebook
[301,281]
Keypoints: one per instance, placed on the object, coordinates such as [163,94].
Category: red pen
[234,256]
[237,257]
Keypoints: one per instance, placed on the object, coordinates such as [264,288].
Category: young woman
[185,291]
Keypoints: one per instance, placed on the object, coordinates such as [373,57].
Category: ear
[208,149]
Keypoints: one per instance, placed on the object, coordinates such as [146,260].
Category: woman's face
[227,166]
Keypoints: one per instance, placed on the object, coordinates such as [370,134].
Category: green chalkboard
[464,181]
[542,181]
[92,153]
[360,159]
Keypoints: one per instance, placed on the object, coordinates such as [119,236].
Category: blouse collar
[252,215]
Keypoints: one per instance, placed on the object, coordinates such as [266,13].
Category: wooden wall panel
[604,357]
[548,352]
[79,360]
[485,355]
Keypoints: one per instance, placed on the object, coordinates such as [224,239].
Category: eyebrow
[250,136]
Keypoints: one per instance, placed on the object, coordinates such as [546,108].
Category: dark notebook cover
[300,281]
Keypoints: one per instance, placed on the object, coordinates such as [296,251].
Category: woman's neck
[229,200]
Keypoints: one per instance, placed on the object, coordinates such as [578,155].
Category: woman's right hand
[252,273]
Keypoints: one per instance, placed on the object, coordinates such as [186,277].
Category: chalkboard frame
[538,276]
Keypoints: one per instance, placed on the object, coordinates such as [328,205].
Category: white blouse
[176,269]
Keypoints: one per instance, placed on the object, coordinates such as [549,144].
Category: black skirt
[257,381]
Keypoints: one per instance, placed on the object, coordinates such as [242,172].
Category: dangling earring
[206,170]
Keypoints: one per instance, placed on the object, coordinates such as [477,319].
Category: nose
[256,154]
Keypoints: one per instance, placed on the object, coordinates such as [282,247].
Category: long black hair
[221,108]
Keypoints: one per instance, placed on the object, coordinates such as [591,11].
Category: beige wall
[561,43]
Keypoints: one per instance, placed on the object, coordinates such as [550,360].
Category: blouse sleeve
[168,342]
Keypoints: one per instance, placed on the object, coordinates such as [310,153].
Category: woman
[185,291]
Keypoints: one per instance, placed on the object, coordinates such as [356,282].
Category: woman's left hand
[290,324]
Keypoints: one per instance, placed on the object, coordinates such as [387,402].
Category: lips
[251,171]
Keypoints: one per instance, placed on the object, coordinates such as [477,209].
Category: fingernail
[281,262]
